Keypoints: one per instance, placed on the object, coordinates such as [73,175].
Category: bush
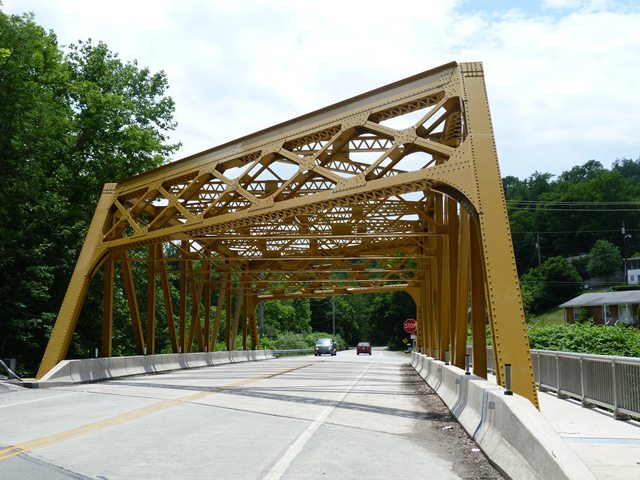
[291,341]
[586,337]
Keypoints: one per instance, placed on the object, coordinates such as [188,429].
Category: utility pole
[261,317]
[625,237]
[538,246]
[333,313]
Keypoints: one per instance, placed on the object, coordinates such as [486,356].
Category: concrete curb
[94,369]
[511,432]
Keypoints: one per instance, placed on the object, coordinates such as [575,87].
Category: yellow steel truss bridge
[395,189]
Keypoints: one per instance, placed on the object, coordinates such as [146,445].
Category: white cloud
[561,80]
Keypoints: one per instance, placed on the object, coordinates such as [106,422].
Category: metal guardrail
[610,382]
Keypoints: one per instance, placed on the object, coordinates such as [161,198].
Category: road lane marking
[132,415]
[279,469]
[38,399]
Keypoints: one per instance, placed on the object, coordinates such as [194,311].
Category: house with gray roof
[606,308]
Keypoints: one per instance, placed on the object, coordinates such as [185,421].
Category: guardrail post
[615,389]
[507,379]
[616,394]
[558,375]
[582,394]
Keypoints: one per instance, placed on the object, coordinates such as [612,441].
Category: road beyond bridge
[293,418]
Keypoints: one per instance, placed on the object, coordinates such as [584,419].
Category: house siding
[595,312]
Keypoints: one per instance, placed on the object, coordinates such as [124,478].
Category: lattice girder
[397,188]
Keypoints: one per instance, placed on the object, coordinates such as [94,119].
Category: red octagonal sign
[410,325]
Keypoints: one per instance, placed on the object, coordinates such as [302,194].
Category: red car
[363,347]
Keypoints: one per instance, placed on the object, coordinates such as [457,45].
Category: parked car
[326,345]
[363,347]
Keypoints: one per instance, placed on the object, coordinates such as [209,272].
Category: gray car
[325,345]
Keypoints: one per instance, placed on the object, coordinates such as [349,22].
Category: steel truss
[395,189]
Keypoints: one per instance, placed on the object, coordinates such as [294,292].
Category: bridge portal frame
[395,189]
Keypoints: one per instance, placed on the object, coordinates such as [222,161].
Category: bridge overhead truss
[395,189]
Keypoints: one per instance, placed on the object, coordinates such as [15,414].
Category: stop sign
[410,325]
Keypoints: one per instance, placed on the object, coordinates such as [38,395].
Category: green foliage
[387,313]
[68,124]
[292,315]
[550,284]
[586,337]
[604,259]
[584,317]
[558,212]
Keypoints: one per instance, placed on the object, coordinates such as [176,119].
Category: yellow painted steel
[395,189]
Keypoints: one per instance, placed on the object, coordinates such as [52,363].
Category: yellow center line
[132,415]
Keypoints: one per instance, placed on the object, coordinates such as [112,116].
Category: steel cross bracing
[395,189]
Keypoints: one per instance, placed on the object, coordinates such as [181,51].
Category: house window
[632,279]
[576,314]
[625,313]
[606,313]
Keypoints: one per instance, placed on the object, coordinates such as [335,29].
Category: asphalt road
[342,417]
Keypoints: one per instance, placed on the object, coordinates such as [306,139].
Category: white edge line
[39,399]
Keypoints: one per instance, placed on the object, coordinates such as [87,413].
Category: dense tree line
[70,121]
[569,229]
[565,216]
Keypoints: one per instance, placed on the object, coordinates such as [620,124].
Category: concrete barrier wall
[94,369]
[508,428]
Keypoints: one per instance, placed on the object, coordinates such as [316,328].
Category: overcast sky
[563,76]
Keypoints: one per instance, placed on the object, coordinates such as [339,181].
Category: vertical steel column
[228,308]
[452,240]
[132,300]
[107,307]
[461,320]
[207,306]
[478,324]
[216,323]
[236,316]
[442,283]
[151,300]
[182,326]
[245,317]
[251,306]
[195,288]
[168,303]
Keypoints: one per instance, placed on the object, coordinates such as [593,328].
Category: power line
[559,206]
[616,230]
[567,202]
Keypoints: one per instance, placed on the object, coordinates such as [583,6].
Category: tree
[68,124]
[291,315]
[550,284]
[604,260]
[387,315]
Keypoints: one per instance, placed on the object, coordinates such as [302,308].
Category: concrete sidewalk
[609,448]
